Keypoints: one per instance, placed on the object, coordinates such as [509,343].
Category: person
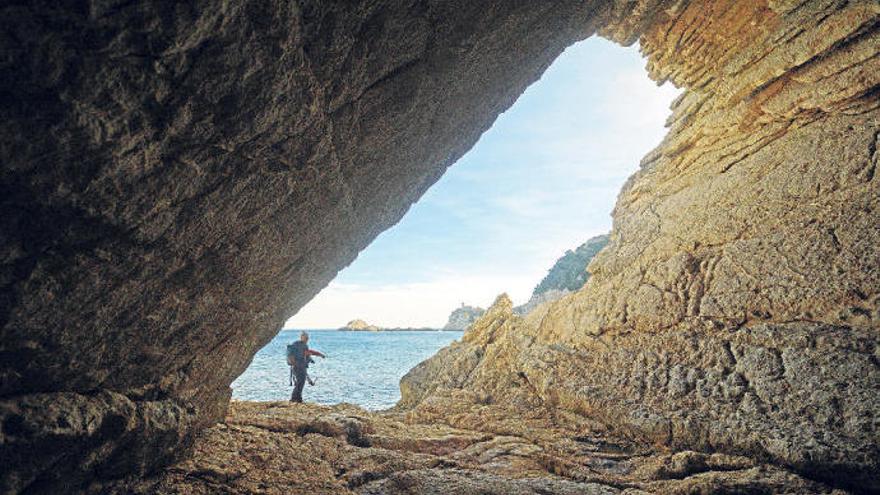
[298,357]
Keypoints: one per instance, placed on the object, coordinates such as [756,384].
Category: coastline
[426,329]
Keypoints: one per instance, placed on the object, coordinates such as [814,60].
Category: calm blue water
[363,368]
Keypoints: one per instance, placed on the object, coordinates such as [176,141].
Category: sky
[541,181]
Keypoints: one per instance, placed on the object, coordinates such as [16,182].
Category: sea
[362,368]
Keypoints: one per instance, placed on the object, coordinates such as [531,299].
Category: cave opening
[181,182]
[521,213]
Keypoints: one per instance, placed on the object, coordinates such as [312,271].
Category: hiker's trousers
[299,381]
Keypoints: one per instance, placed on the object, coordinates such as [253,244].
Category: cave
[178,180]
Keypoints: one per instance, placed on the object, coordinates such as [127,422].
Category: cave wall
[737,307]
[177,180]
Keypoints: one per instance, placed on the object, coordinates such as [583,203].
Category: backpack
[296,354]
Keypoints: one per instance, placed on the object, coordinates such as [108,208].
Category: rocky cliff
[569,273]
[462,317]
[736,307]
[178,180]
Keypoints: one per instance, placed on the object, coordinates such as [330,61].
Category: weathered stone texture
[737,306]
[177,180]
[299,448]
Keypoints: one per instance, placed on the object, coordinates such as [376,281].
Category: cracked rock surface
[736,308]
[177,180]
[286,448]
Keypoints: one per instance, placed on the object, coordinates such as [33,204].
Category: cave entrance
[540,183]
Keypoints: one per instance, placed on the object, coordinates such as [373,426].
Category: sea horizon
[411,329]
[361,367]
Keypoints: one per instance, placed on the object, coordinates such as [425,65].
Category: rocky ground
[277,447]
[177,182]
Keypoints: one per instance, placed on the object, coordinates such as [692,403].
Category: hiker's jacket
[299,355]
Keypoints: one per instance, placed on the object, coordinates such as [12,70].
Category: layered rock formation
[736,308]
[462,317]
[279,448]
[177,181]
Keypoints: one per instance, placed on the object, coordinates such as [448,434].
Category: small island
[358,325]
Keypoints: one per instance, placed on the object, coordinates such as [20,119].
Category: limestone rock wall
[737,307]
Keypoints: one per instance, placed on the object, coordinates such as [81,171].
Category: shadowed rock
[277,448]
[178,180]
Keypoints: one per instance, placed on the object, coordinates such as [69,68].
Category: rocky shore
[484,415]
[568,274]
[466,449]
[455,444]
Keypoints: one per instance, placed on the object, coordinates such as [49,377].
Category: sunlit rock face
[736,308]
[178,180]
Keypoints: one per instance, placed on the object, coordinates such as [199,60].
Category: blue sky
[542,180]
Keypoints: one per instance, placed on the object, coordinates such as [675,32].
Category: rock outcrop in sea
[360,326]
[179,180]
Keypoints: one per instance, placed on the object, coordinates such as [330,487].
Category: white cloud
[643,104]
[424,304]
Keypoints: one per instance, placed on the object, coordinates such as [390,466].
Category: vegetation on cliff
[569,273]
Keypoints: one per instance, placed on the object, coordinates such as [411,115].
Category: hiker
[298,357]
